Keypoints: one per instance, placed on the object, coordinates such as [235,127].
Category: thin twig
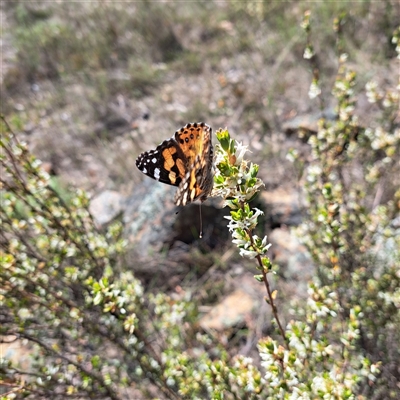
[270,297]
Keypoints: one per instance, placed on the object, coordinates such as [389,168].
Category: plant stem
[270,298]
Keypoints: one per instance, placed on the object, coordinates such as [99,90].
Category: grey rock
[153,221]
[106,206]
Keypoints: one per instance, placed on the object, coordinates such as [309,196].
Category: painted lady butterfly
[185,160]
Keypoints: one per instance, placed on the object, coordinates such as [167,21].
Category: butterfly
[185,160]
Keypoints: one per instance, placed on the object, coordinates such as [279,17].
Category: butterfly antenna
[201,224]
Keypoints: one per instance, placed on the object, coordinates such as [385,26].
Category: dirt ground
[87,110]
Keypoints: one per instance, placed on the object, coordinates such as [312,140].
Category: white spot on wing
[144,170]
[154,160]
[157,173]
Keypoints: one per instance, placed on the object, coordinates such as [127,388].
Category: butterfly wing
[195,142]
[166,163]
[185,161]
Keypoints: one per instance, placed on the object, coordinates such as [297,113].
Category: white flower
[248,253]
[314,90]
[308,53]
[240,152]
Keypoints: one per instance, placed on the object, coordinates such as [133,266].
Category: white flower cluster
[287,369]
[236,181]
[240,182]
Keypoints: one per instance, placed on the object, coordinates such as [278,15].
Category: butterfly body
[185,160]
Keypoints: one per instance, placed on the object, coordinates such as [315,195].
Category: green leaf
[223,138]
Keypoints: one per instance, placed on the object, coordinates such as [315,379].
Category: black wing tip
[140,159]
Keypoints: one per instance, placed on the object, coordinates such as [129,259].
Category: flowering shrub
[320,341]
[237,183]
[352,231]
[94,332]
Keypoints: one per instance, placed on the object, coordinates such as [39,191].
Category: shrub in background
[353,230]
